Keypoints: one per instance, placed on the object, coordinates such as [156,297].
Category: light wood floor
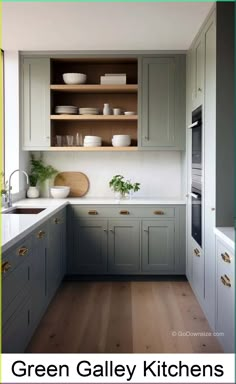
[123,317]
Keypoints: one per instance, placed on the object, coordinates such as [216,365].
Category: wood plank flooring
[124,317]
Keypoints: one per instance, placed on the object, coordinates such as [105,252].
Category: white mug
[116,111]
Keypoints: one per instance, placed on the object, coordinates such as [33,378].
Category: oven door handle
[193,124]
[194,195]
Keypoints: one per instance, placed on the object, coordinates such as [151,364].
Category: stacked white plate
[92,141]
[121,141]
[89,111]
[66,109]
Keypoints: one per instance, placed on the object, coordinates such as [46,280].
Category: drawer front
[128,211]
[225,259]
[16,256]
[14,282]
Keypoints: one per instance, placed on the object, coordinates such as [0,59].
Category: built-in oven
[196,186]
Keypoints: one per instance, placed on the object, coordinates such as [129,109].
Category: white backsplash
[158,172]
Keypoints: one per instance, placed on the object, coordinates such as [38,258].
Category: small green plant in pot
[122,187]
[40,174]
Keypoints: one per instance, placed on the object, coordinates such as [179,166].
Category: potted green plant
[40,174]
[122,187]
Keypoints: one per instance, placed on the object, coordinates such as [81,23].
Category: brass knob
[57,221]
[93,212]
[226,257]
[23,251]
[40,234]
[124,212]
[196,252]
[226,281]
[111,230]
[6,266]
[104,230]
[159,212]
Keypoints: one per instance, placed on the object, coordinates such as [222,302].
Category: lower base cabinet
[198,276]
[126,240]
[123,246]
[32,271]
[225,296]
[158,246]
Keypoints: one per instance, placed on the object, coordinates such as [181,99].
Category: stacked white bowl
[89,111]
[60,192]
[74,78]
[121,141]
[92,141]
[66,110]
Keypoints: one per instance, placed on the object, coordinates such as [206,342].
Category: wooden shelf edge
[93,149]
[95,117]
[122,88]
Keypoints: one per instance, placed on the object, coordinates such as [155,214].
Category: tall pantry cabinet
[210,62]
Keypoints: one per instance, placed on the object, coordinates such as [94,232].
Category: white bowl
[129,113]
[120,143]
[126,137]
[59,192]
[74,78]
[92,138]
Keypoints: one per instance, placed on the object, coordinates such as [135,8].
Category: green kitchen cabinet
[197,52]
[38,271]
[35,117]
[56,252]
[162,103]
[123,246]
[89,246]
[158,254]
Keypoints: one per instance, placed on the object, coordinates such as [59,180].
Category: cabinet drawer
[14,282]
[128,211]
[16,256]
[225,258]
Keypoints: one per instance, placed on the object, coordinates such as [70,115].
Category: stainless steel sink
[23,211]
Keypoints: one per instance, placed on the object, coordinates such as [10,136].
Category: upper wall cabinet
[197,53]
[36,103]
[163,103]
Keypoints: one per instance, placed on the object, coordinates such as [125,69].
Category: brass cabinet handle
[41,234]
[145,230]
[6,266]
[124,212]
[159,212]
[23,251]
[111,230]
[226,281]
[196,252]
[57,221]
[226,257]
[93,212]
[104,230]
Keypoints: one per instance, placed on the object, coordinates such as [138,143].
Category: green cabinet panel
[38,271]
[36,103]
[123,246]
[158,246]
[56,253]
[162,123]
[89,246]
[198,72]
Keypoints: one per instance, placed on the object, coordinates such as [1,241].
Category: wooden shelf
[95,88]
[94,149]
[95,117]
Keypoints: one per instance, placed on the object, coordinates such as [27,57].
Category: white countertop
[16,227]
[226,234]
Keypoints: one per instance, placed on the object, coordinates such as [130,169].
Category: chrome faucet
[9,202]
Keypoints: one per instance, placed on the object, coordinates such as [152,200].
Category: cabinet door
[158,246]
[39,274]
[89,244]
[55,254]
[36,103]
[163,103]
[123,246]
[198,272]
[198,72]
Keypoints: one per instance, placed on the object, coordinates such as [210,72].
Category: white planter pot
[33,193]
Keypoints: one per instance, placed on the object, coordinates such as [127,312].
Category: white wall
[158,172]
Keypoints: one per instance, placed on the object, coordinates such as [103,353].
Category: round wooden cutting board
[77,181]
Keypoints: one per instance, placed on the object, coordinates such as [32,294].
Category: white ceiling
[101,26]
